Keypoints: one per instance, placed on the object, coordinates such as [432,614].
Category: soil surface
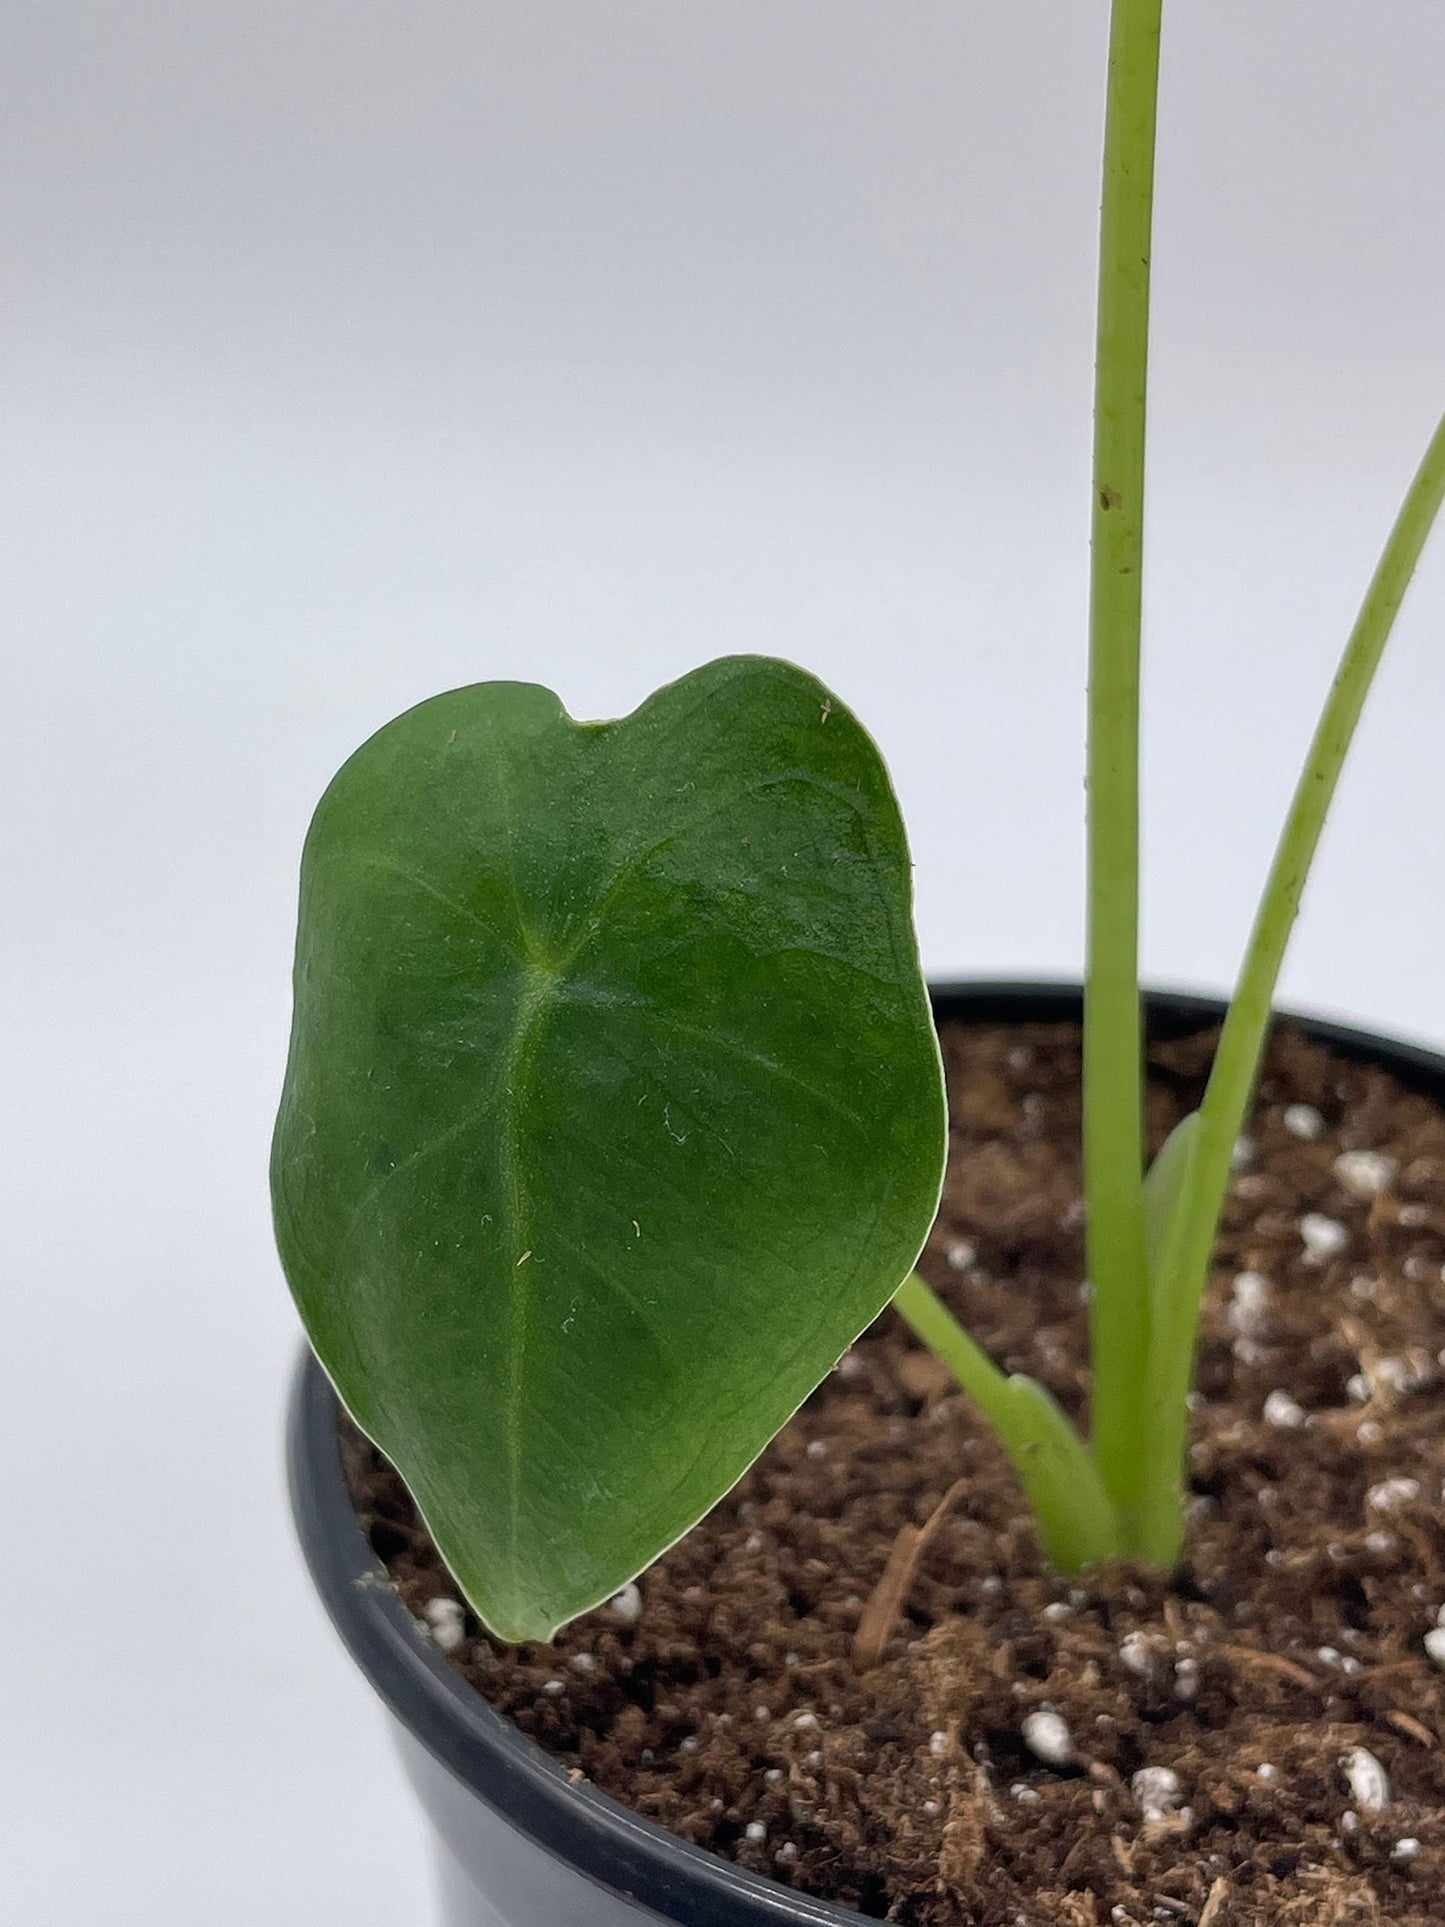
[1261,1742]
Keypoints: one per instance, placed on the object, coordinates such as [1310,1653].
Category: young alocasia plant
[614,1109]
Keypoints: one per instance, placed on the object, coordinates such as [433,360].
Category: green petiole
[1149,1240]
[1080,1516]
[1184,1260]
[1074,1512]
[1113,1062]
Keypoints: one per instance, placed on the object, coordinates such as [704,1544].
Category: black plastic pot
[520,1844]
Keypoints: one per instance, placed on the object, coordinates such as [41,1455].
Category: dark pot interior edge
[574,1821]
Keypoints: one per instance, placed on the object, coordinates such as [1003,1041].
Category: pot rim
[574,1821]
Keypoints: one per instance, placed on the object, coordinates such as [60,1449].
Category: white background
[357,351]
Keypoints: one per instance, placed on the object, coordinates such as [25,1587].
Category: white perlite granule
[446,1622]
[1249,1301]
[1322,1237]
[1368,1782]
[1303,1121]
[1047,1737]
[1282,1411]
[1157,1790]
[1365,1174]
[1435,1645]
[1137,1654]
[627,1605]
[1402,1375]
[1390,1495]
[1247,1312]
[756,1832]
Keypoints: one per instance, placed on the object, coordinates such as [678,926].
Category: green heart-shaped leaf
[613,1111]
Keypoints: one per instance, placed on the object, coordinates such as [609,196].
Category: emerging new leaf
[613,1111]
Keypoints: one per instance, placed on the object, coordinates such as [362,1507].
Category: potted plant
[615,1116]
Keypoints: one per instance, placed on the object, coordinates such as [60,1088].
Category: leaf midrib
[537,995]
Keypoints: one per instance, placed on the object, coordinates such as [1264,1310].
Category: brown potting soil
[1262,1741]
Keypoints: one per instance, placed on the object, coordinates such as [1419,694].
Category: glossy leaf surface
[613,1111]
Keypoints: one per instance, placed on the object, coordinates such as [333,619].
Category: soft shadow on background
[354,352]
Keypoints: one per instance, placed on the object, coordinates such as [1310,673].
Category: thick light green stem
[1075,1517]
[1113,1066]
[1190,1237]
